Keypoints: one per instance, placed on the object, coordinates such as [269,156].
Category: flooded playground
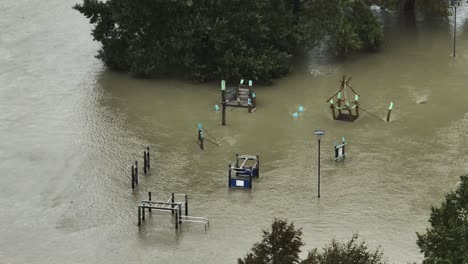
[69,128]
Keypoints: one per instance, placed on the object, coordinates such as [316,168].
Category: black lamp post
[454,4]
[319,134]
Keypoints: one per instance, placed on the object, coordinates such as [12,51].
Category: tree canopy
[282,245]
[231,39]
[349,252]
[446,240]
[224,39]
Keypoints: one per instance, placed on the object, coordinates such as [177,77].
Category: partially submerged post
[332,107]
[223,100]
[201,136]
[145,163]
[229,175]
[133,176]
[136,172]
[148,157]
[172,200]
[356,100]
[149,199]
[186,204]
[139,215]
[389,111]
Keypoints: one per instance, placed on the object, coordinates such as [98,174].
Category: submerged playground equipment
[242,96]
[177,208]
[345,110]
[245,168]
[340,153]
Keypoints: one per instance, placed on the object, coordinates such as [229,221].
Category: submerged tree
[281,245]
[227,39]
[349,252]
[446,241]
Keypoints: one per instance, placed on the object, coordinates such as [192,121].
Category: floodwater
[69,128]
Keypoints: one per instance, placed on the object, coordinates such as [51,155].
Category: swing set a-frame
[341,107]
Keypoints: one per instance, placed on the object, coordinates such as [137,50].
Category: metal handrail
[196,217]
[250,157]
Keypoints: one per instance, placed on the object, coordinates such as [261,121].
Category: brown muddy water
[69,127]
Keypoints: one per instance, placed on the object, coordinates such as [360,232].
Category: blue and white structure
[245,168]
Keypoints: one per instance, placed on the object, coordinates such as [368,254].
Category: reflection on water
[69,128]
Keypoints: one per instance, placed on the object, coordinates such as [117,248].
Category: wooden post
[180,213]
[133,177]
[332,107]
[172,201]
[201,139]
[148,157]
[343,152]
[336,152]
[356,101]
[339,104]
[176,219]
[143,214]
[229,175]
[139,216]
[223,100]
[186,204]
[144,162]
[136,172]
[149,199]
[254,100]
[258,166]
[389,111]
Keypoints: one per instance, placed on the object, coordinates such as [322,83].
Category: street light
[319,134]
[454,4]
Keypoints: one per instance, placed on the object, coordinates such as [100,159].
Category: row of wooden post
[146,167]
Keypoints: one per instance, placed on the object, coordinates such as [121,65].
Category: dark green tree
[230,39]
[349,252]
[203,39]
[346,26]
[446,240]
[281,245]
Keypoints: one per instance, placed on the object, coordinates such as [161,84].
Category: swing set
[339,103]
